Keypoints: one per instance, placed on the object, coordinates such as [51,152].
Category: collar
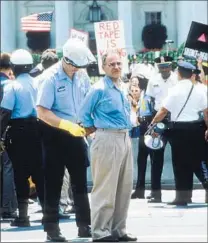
[109,82]
[61,73]
[3,76]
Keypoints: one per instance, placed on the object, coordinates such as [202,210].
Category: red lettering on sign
[101,26]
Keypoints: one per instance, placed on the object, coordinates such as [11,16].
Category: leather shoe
[55,236]
[21,222]
[84,231]
[178,203]
[109,238]
[154,200]
[9,215]
[127,237]
[138,194]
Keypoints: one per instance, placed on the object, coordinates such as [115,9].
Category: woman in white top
[187,135]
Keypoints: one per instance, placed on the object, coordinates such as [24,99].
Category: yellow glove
[72,128]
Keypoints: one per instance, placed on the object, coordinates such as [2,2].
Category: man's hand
[2,147]
[89,130]
[206,135]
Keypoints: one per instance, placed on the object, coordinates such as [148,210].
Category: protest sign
[80,35]
[196,45]
[110,35]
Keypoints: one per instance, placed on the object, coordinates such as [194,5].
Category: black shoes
[155,200]
[109,238]
[178,202]
[138,193]
[84,232]
[127,237]
[55,236]
[10,215]
[21,222]
[154,197]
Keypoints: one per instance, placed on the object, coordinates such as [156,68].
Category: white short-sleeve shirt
[158,88]
[177,97]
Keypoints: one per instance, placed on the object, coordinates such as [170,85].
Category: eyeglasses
[113,64]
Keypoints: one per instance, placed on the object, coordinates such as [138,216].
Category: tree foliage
[38,41]
[154,36]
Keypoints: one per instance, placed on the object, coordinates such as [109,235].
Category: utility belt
[145,119]
[30,121]
[192,125]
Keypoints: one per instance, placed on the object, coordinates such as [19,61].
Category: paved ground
[150,223]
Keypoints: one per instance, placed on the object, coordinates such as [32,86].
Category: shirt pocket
[62,99]
[107,105]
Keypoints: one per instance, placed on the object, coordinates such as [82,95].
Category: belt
[187,125]
[145,119]
[112,130]
[22,121]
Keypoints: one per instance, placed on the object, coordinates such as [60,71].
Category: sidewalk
[149,222]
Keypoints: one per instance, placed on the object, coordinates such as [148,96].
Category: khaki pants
[112,174]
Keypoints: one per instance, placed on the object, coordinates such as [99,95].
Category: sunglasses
[69,61]
[113,64]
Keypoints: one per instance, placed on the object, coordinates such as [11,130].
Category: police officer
[145,117]
[8,194]
[23,142]
[60,95]
[158,88]
[187,134]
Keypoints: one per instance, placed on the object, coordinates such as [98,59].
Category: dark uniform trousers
[156,158]
[63,150]
[23,144]
[189,156]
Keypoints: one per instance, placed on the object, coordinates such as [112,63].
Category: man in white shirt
[158,88]
[188,133]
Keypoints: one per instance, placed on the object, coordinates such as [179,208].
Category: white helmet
[77,53]
[21,57]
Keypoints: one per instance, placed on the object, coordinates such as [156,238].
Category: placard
[196,45]
[110,35]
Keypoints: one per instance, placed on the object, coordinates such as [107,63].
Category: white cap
[21,57]
[77,53]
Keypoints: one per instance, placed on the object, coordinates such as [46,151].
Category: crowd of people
[51,111]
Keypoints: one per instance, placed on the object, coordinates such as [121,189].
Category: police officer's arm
[7,105]
[5,116]
[45,100]
[160,115]
[150,92]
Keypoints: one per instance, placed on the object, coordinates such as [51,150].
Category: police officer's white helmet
[77,53]
[21,57]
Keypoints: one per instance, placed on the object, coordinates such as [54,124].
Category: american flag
[37,22]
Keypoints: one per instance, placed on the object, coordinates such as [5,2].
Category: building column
[125,14]
[63,21]
[8,33]
[188,11]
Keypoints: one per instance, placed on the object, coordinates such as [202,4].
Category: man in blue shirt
[60,95]
[107,110]
[23,141]
[8,194]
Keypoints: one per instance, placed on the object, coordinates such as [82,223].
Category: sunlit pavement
[149,222]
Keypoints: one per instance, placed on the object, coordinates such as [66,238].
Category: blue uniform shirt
[106,107]
[3,81]
[20,97]
[145,107]
[62,95]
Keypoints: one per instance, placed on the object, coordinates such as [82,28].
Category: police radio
[153,142]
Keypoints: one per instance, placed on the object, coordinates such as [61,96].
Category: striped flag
[37,22]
